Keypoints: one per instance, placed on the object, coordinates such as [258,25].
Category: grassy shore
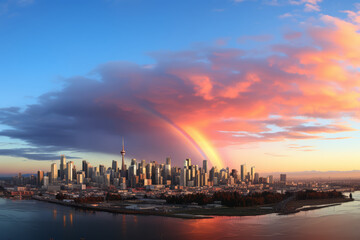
[234,211]
[290,207]
[295,206]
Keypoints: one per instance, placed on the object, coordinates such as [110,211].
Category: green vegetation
[311,194]
[229,199]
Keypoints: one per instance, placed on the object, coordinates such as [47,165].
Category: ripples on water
[39,220]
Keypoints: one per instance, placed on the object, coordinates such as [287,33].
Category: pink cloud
[225,96]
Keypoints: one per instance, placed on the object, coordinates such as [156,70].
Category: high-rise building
[205,166]
[40,178]
[243,172]
[85,168]
[256,178]
[62,167]
[283,178]
[183,177]
[69,172]
[252,174]
[149,171]
[167,170]
[80,177]
[187,162]
[115,165]
[271,179]
[168,161]
[101,170]
[46,181]
[54,173]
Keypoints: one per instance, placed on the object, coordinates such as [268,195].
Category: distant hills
[354,174]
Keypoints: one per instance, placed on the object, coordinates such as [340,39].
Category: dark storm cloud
[31,154]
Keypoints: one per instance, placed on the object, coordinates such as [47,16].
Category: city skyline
[273,84]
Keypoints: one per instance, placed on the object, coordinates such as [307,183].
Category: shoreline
[296,206]
[122,210]
[291,207]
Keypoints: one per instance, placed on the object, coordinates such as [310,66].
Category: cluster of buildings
[151,175]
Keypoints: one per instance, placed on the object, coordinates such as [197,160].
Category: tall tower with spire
[123,170]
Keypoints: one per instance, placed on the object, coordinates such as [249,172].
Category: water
[39,220]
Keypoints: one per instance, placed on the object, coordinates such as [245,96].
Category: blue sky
[44,43]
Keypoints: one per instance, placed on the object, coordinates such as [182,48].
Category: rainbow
[194,137]
[202,145]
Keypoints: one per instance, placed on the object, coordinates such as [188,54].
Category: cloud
[31,154]
[276,155]
[193,102]
[301,148]
[293,35]
[256,38]
[286,15]
[309,5]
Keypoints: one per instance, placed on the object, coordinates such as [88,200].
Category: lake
[39,220]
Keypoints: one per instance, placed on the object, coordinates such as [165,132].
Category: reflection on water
[38,220]
[54,213]
[71,218]
[64,220]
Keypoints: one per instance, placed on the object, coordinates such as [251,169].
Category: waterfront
[39,220]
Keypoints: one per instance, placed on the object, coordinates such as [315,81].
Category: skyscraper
[168,169]
[69,172]
[243,172]
[40,178]
[123,170]
[252,174]
[54,173]
[187,162]
[62,166]
[168,161]
[205,166]
[283,178]
[85,168]
[115,165]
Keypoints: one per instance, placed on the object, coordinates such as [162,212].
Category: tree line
[229,199]
[311,194]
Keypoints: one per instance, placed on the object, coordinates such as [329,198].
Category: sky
[268,83]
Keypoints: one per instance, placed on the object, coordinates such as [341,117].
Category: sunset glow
[267,84]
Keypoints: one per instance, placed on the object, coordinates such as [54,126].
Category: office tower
[107,179]
[183,177]
[123,170]
[62,167]
[90,171]
[40,178]
[243,172]
[101,170]
[205,166]
[168,161]
[80,177]
[187,162]
[283,178]
[256,178]
[157,175]
[54,173]
[115,165]
[69,175]
[149,171]
[132,169]
[271,179]
[167,171]
[46,181]
[252,174]
[85,168]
